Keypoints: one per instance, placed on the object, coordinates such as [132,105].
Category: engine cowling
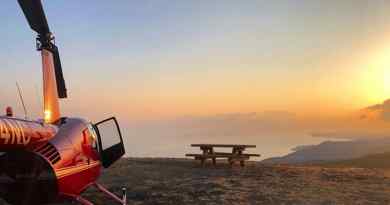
[27,179]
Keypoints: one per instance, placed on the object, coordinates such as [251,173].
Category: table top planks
[224,155]
[223,145]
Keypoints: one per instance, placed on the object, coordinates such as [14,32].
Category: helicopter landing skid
[101,188]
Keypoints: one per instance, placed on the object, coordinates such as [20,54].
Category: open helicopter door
[110,141]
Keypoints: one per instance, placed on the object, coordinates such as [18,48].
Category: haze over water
[274,133]
[176,147]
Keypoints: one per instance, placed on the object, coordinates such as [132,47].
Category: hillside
[333,151]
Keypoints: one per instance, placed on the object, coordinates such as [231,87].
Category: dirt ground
[179,181]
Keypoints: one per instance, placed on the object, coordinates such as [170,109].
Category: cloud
[353,132]
[367,123]
[230,124]
[270,123]
[378,111]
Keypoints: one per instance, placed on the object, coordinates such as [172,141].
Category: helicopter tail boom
[50,93]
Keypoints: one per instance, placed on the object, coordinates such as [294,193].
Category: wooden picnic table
[237,153]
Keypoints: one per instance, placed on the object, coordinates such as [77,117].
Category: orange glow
[47,116]
[51,103]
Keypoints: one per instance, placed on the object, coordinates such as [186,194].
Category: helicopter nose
[26,178]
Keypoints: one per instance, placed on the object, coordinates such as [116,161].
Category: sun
[386,83]
[384,72]
[374,80]
[386,80]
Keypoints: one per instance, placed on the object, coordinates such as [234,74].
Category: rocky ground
[176,181]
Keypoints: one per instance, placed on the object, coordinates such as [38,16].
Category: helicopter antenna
[21,100]
[38,95]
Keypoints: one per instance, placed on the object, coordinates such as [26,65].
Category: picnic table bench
[236,155]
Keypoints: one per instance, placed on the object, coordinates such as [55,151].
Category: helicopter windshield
[93,135]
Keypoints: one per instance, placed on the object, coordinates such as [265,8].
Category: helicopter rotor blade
[61,87]
[35,15]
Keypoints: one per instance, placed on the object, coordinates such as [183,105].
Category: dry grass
[167,181]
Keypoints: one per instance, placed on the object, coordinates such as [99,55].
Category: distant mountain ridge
[378,115]
[333,151]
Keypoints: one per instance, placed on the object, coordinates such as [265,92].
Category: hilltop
[180,181]
[176,181]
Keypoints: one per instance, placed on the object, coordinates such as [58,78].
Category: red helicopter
[56,158]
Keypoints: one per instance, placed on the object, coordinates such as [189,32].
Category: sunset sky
[165,59]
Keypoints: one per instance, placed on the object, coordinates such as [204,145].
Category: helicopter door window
[109,134]
[110,141]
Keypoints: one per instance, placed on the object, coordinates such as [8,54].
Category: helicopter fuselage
[58,161]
